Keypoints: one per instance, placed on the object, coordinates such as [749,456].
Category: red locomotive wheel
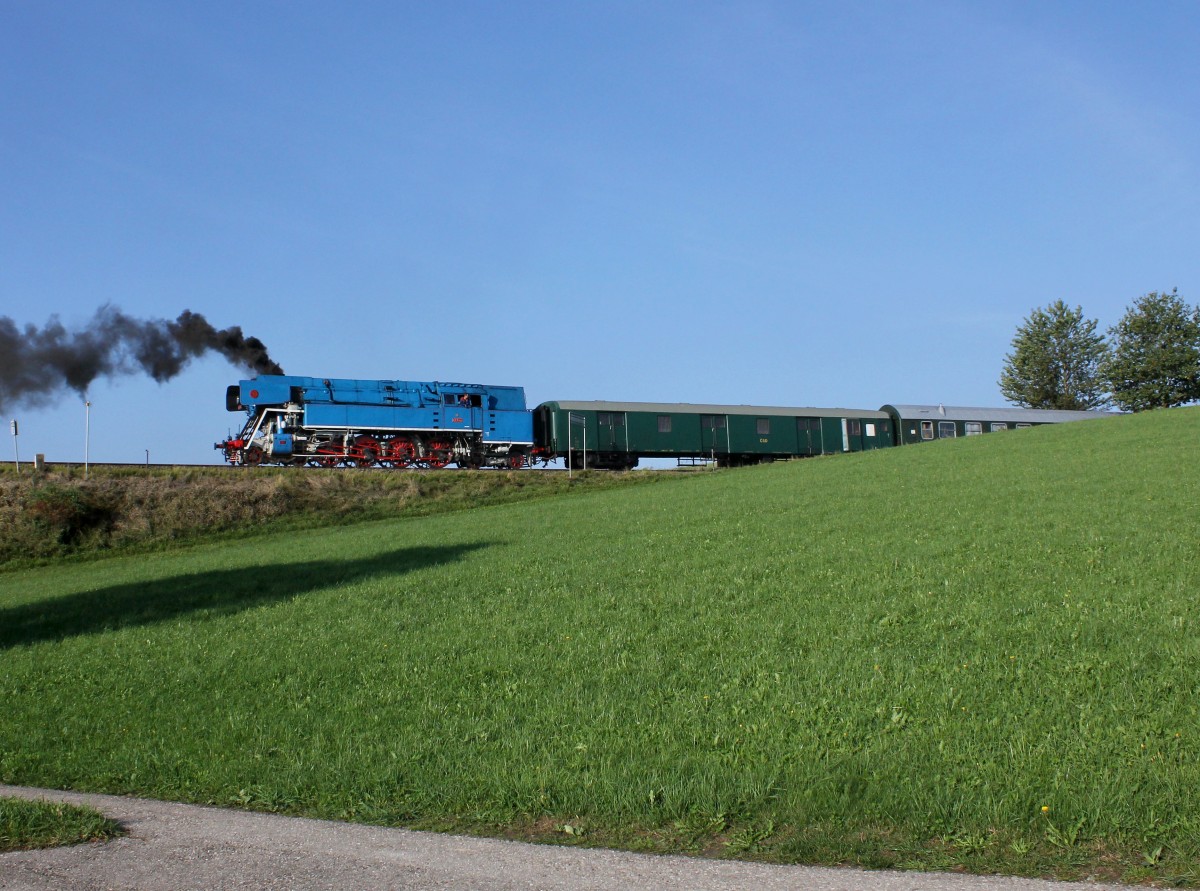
[440,453]
[252,457]
[399,452]
[365,452]
[327,456]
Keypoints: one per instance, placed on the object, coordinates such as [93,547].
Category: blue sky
[782,203]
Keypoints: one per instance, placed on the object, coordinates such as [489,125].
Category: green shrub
[67,514]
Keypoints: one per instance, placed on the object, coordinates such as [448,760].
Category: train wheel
[440,453]
[364,453]
[252,457]
[516,460]
[399,452]
[327,456]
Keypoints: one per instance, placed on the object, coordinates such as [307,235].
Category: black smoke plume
[37,364]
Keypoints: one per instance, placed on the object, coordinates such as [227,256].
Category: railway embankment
[56,512]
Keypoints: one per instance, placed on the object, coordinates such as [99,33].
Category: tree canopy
[1055,361]
[1155,355]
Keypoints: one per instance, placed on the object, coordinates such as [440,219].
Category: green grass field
[977,654]
[43,824]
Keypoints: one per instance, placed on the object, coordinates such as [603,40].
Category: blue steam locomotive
[361,423]
[356,423]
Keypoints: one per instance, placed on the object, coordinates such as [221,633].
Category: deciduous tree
[1155,357]
[1055,361]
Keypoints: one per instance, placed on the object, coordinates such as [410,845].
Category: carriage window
[946,430]
[974,428]
[854,428]
[610,419]
[805,425]
[764,426]
[997,426]
[712,422]
[870,430]
[1023,426]
[664,423]
[927,430]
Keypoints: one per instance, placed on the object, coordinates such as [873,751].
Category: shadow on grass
[219,592]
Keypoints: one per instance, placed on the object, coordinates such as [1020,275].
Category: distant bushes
[55,513]
[66,515]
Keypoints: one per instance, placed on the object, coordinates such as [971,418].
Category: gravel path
[178,847]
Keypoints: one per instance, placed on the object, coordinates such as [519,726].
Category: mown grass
[976,654]
[25,825]
[56,513]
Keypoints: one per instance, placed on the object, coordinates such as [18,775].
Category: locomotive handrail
[262,416]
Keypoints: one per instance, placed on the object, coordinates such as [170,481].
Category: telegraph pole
[16,454]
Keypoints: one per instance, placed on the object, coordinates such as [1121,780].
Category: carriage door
[808,436]
[610,431]
[713,438]
[852,439]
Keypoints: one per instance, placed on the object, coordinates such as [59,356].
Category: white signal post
[87,434]
[16,454]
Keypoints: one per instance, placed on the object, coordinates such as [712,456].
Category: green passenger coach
[925,423]
[614,435]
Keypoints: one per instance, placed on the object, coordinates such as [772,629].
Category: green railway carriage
[617,434]
[924,423]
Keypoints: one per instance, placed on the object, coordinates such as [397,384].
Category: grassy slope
[54,514]
[978,653]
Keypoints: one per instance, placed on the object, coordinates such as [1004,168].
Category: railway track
[154,465]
